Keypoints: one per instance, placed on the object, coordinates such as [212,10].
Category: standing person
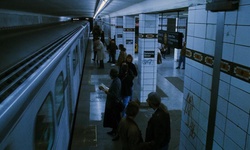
[96,31]
[95,49]
[112,50]
[99,48]
[126,76]
[122,56]
[103,37]
[112,116]
[131,65]
[158,130]
[108,49]
[129,132]
[182,57]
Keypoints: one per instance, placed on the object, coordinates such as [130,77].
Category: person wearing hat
[158,132]
[128,130]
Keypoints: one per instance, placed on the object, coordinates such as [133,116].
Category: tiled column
[129,34]
[119,30]
[147,54]
[113,29]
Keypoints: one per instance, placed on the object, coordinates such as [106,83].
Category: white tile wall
[207,70]
[242,35]
[200,30]
[220,121]
[205,95]
[211,32]
[216,146]
[219,137]
[196,88]
[228,52]
[230,145]
[200,16]
[248,141]
[199,44]
[224,89]
[243,15]
[196,74]
[209,47]
[222,106]
[242,55]
[239,98]
[232,118]
[203,122]
[201,140]
[225,77]
[206,80]
[231,17]
[239,117]
[211,17]
[235,134]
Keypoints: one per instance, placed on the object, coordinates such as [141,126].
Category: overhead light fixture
[102,4]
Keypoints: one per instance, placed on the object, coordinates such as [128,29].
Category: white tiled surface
[211,32]
[242,35]
[232,118]
[235,134]
[148,67]
[243,15]
[228,52]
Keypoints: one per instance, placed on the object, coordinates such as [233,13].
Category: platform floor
[89,133]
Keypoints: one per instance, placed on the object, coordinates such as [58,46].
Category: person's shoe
[177,67]
[93,59]
[116,138]
[182,68]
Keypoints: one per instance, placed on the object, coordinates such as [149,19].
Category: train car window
[75,58]
[59,97]
[44,127]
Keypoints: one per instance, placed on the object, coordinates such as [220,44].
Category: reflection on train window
[44,127]
[59,97]
[75,58]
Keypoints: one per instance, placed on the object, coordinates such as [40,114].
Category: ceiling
[86,8]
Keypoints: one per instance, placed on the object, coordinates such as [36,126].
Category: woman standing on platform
[122,56]
[100,52]
[112,115]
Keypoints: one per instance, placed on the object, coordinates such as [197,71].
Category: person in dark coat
[112,47]
[129,132]
[126,76]
[158,130]
[131,65]
[112,116]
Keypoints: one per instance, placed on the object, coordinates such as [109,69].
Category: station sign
[171,39]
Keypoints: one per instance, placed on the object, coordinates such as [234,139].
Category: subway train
[40,73]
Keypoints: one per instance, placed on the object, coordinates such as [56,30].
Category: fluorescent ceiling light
[100,7]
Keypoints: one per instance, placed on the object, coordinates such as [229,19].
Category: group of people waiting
[123,126]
